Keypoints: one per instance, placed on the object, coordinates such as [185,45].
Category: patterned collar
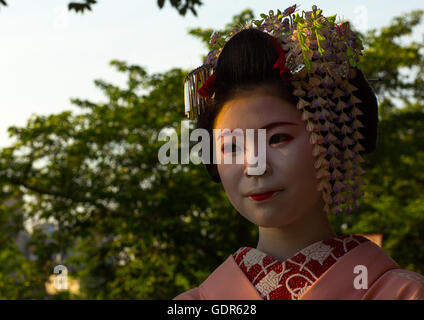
[288,280]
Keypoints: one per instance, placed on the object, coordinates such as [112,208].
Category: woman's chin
[272,218]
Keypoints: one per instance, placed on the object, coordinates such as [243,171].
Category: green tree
[181,6]
[19,276]
[204,35]
[137,228]
[398,63]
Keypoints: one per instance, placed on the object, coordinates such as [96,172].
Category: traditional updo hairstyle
[246,63]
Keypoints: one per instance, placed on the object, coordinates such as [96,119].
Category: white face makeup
[289,162]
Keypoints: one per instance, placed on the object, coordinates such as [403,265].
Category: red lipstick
[263,196]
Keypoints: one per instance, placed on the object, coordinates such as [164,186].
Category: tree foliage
[399,64]
[204,35]
[133,228]
[134,225]
[182,6]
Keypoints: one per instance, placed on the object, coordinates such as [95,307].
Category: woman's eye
[230,148]
[279,137]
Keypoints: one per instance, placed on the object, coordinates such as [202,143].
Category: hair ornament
[195,96]
[281,61]
[319,57]
[207,89]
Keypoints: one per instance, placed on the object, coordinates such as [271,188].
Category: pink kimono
[348,267]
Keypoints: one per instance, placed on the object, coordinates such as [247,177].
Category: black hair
[246,62]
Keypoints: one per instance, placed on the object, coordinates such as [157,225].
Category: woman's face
[289,162]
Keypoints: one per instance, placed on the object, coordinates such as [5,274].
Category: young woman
[293,76]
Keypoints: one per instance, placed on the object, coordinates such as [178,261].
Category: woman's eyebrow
[268,126]
[275,124]
[230,132]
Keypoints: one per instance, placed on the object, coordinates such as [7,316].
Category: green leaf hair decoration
[321,55]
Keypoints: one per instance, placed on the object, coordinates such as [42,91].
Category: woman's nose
[255,155]
[265,171]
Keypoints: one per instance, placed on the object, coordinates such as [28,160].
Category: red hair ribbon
[208,88]
[281,61]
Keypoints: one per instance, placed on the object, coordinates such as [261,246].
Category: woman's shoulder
[226,282]
[192,294]
[216,277]
[394,283]
[201,292]
[397,284]
[389,280]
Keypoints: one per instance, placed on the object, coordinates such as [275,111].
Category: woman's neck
[283,243]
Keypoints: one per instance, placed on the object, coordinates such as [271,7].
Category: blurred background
[86,209]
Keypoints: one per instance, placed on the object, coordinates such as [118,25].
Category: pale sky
[49,55]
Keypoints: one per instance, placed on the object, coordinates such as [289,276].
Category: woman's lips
[263,196]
